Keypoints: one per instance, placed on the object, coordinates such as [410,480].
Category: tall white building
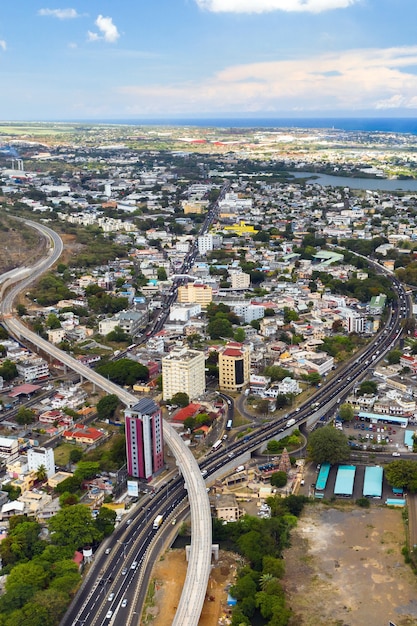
[355,323]
[205,244]
[183,371]
[41,456]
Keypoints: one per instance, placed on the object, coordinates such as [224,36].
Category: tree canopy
[124,371]
[328,445]
[402,474]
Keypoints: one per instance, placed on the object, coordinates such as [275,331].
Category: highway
[194,590]
[130,543]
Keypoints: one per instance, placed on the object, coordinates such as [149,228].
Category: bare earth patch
[169,575]
[345,568]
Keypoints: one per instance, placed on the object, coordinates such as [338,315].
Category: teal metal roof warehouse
[383,417]
[344,480]
[372,484]
[323,476]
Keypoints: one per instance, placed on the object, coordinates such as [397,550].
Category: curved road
[194,590]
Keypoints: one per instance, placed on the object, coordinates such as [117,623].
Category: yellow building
[241,229]
[234,366]
[195,293]
[196,206]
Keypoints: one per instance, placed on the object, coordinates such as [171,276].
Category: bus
[229,424]
[217,444]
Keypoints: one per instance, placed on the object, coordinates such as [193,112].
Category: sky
[173,59]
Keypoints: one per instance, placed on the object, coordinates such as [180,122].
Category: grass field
[62,453]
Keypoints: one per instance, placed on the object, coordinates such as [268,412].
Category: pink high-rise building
[144,439]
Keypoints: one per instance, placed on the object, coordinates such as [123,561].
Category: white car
[396,454]
[124,602]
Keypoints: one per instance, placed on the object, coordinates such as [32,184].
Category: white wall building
[205,244]
[183,371]
[41,456]
[33,368]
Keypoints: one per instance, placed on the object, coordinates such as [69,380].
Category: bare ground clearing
[169,575]
[345,568]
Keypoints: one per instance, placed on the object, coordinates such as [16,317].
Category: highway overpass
[199,564]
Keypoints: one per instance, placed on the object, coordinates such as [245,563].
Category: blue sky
[133,59]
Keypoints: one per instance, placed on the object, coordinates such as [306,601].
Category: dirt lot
[345,568]
[169,575]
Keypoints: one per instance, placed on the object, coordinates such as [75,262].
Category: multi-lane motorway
[131,541]
[194,589]
[192,599]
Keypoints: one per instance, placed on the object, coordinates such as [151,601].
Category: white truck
[290,422]
[157,522]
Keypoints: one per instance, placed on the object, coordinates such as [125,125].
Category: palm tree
[41,474]
[265,579]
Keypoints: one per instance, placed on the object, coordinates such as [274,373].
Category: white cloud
[61,14]
[264,6]
[352,80]
[3,45]
[107,29]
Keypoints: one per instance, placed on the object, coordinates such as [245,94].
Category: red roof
[232,352]
[187,411]
[24,389]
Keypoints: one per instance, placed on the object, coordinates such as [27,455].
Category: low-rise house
[83,434]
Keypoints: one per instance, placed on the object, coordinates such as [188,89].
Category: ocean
[364,124]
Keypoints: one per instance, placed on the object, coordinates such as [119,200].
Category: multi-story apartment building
[195,292]
[240,280]
[234,366]
[38,457]
[183,370]
[33,368]
[144,439]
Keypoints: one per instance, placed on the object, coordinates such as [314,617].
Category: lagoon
[373,184]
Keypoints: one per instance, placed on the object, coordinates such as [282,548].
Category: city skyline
[207,58]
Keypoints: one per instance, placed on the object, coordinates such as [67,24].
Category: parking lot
[376,437]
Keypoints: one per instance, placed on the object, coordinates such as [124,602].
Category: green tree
[279,479]
[394,356]
[161,273]
[367,387]
[124,371]
[32,574]
[76,454]
[290,315]
[25,416]
[105,521]
[117,335]
[346,412]
[313,378]
[41,473]
[8,370]
[68,499]
[239,335]
[328,445]
[73,526]
[87,469]
[106,407]
[402,474]
[219,327]
[53,321]
[180,399]
[21,310]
